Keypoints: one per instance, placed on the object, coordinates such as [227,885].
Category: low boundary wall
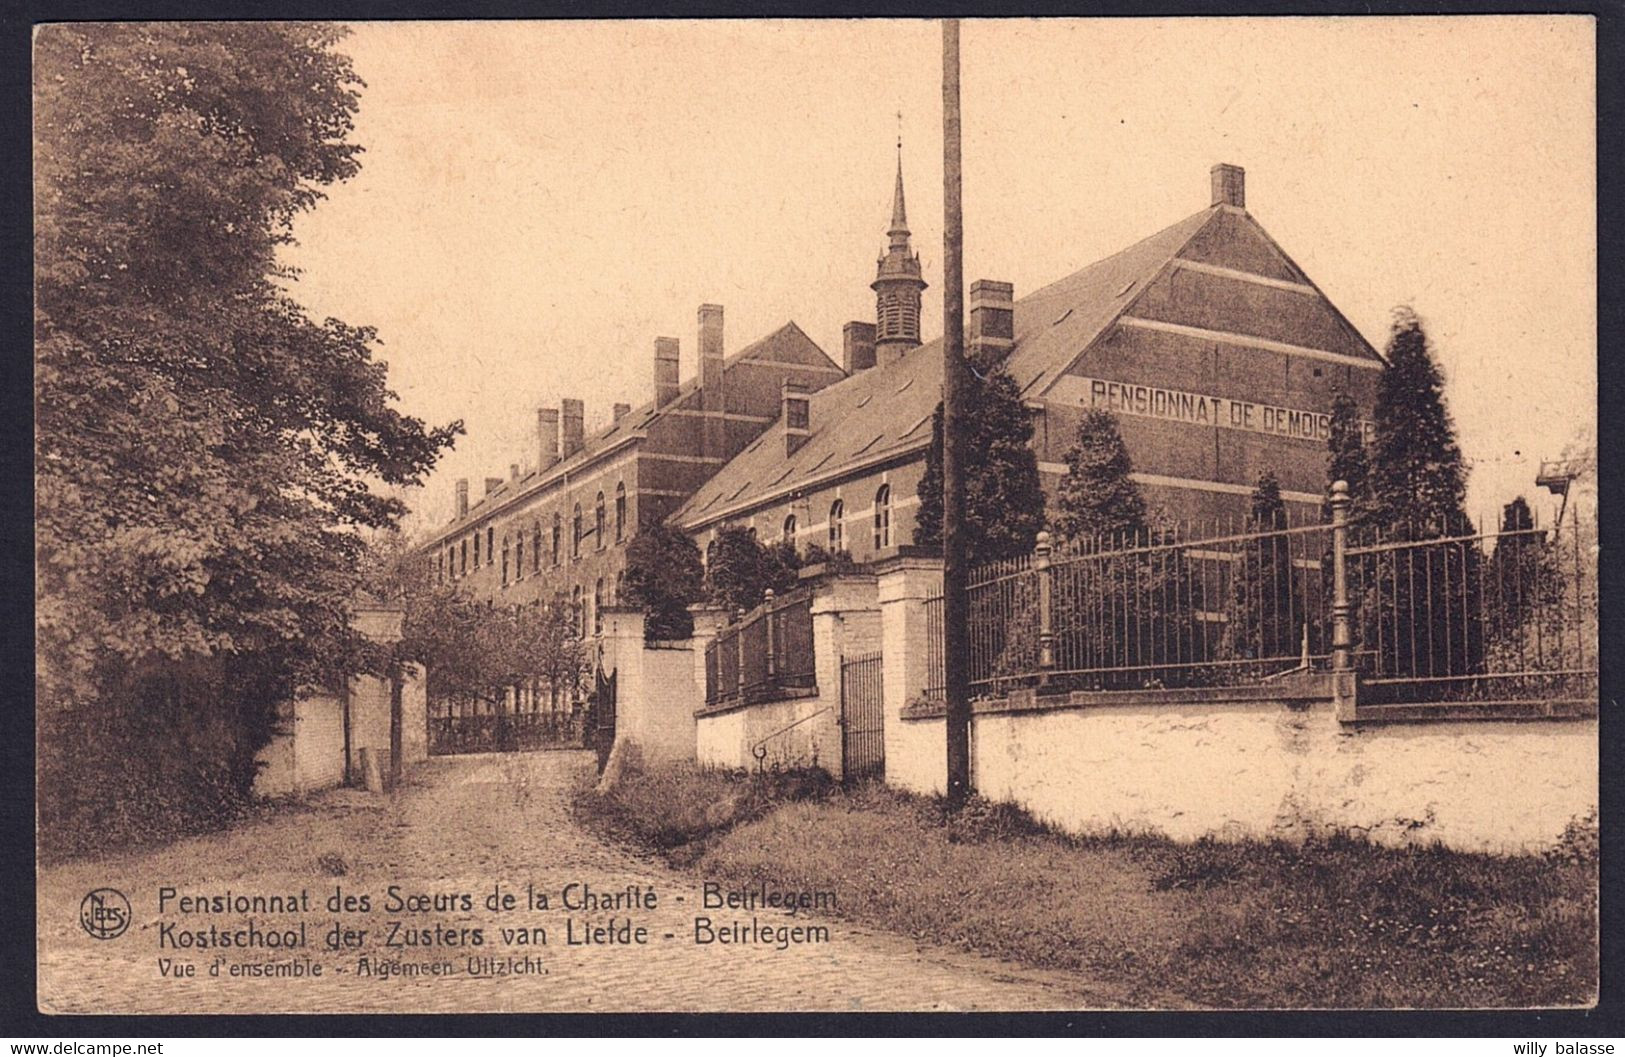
[1267,768]
[1273,761]
[802,730]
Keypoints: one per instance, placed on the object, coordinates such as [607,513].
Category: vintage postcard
[850,516]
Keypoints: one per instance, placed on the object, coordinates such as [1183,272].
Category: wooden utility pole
[955,597]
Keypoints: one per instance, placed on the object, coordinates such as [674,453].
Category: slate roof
[885,412]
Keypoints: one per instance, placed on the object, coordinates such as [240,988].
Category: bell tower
[897,284]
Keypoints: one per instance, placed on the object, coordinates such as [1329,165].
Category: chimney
[462,498]
[572,426]
[547,438]
[992,322]
[513,471]
[795,411]
[1229,185]
[858,346]
[620,412]
[492,484]
[665,371]
[713,402]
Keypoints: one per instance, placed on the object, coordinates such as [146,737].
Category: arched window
[505,555]
[558,531]
[476,550]
[535,546]
[519,555]
[464,560]
[491,545]
[598,522]
[598,607]
[620,588]
[576,616]
[575,533]
[790,529]
[837,526]
[883,517]
[620,512]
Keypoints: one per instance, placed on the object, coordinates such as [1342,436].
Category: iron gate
[863,741]
[601,715]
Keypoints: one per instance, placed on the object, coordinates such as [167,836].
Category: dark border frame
[17,916]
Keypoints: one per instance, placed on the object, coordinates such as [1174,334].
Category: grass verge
[1334,923]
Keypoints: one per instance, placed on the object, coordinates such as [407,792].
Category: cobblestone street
[466,824]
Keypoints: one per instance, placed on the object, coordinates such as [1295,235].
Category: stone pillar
[621,642]
[708,622]
[915,752]
[845,622]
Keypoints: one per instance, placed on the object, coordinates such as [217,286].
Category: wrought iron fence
[1187,604]
[1458,614]
[764,654]
[1434,616]
[505,732]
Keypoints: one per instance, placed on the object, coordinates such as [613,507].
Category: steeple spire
[897,282]
[899,214]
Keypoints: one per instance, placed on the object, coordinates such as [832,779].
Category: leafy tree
[1264,612]
[664,575]
[741,569]
[476,652]
[833,561]
[1004,502]
[781,566]
[206,454]
[1096,498]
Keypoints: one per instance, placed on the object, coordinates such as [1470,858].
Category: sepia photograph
[816,516]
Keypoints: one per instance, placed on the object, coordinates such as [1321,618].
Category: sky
[539,200]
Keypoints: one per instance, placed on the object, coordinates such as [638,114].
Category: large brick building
[1219,355]
[560,532]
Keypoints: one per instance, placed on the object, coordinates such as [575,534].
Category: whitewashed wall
[1264,770]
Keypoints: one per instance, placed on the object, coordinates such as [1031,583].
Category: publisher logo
[104,913]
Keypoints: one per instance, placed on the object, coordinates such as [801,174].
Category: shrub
[668,807]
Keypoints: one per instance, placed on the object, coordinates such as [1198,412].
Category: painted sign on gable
[1198,409]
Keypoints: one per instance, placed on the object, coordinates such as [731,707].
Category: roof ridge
[1206,214]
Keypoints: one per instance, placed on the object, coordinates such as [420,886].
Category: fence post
[1046,616]
[1343,685]
[739,646]
[767,615]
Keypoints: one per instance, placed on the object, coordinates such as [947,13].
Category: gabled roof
[884,413]
[788,344]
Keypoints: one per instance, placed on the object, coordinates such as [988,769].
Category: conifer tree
[1004,502]
[1417,481]
[1427,596]
[1096,496]
[1264,614]
[1349,462]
